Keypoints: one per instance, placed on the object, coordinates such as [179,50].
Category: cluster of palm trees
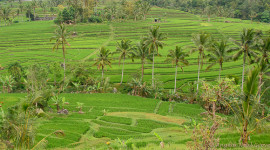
[252,46]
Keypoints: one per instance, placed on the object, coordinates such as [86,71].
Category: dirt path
[104,44]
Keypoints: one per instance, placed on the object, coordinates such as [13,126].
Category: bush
[95,19]
[16,21]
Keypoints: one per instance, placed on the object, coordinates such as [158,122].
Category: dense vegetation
[84,74]
[245,9]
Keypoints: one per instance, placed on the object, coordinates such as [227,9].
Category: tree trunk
[102,72]
[123,70]
[153,67]
[243,73]
[175,78]
[34,13]
[245,133]
[199,68]
[214,111]
[142,69]
[260,84]
[29,17]
[64,62]
[220,72]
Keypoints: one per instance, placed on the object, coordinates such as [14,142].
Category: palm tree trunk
[142,69]
[102,72]
[29,17]
[243,73]
[199,69]
[245,133]
[63,47]
[219,72]
[123,70]
[153,67]
[34,13]
[175,78]
[260,84]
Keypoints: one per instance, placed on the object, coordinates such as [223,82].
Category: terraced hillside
[108,117]
[30,43]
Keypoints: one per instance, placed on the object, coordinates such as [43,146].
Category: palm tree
[264,67]
[124,48]
[264,48]
[28,11]
[34,5]
[5,12]
[247,111]
[219,54]
[141,51]
[21,8]
[248,37]
[61,36]
[177,57]
[103,59]
[202,42]
[154,42]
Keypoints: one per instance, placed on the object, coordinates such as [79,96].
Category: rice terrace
[135,74]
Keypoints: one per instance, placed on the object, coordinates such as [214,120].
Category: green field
[29,43]
[111,117]
[126,117]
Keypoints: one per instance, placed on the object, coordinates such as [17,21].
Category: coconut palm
[202,42]
[154,41]
[248,38]
[264,67]
[263,59]
[219,53]
[34,6]
[141,51]
[103,59]
[177,57]
[246,112]
[5,12]
[61,36]
[28,8]
[264,49]
[125,49]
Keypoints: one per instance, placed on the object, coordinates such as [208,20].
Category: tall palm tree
[142,52]
[5,12]
[202,42]
[219,54]
[264,67]
[34,6]
[28,8]
[248,38]
[61,36]
[103,59]
[154,42]
[21,8]
[264,49]
[177,57]
[125,49]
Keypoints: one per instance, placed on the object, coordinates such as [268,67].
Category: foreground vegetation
[130,53]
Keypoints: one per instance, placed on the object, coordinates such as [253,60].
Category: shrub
[95,19]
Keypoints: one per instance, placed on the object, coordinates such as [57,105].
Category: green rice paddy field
[29,43]
[126,117]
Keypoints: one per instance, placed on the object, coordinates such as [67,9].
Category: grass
[127,117]
[29,43]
